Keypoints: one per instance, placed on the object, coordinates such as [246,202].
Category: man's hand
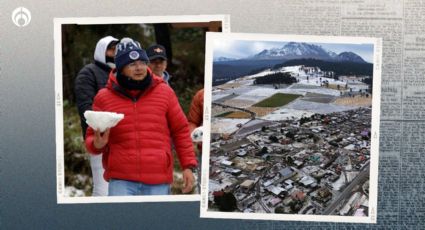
[100,139]
[188,180]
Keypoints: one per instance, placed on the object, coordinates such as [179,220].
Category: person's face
[136,70]
[158,66]
[110,52]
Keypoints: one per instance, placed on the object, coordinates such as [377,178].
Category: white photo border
[60,161]
[374,151]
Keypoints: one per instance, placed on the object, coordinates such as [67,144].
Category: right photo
[291,127]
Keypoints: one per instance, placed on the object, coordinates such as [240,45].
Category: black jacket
[89,81]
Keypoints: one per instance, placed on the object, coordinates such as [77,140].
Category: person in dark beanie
[137,151]
[88,82]
[158,61]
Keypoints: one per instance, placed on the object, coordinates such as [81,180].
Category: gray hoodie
[100,50]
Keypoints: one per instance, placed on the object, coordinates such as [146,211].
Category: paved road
[260,200]
[345,195]
[237,108]
[252,126]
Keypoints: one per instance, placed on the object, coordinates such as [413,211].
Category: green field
[277,100]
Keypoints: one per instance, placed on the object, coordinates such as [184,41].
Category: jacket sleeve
[195,115]
[179,128]
[85,91]
[90,133]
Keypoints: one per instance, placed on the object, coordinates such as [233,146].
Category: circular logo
[21,16]
[134,55]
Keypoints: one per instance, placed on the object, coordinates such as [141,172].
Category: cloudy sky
[241,48]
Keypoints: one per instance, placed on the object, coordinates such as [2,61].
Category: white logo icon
[21,16]
[134,55]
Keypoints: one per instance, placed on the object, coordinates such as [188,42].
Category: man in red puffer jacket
[137,152]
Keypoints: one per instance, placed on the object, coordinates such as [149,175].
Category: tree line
[339,68]
[276,78]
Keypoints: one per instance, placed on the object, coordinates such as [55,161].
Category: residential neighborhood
[309,154]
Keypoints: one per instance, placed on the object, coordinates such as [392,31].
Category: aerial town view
[291,128]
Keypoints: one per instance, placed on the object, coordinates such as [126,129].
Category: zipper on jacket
[139,157]
[121,92]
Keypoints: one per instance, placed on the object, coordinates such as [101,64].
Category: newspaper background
[27,161]
[401,24]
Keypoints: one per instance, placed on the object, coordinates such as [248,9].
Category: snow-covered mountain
[297,50]
[294,50]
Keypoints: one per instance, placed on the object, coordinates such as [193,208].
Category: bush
[77,165]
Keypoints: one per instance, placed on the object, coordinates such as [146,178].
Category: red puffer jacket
[196,112]
[139,147]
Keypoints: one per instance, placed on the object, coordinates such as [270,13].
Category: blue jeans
[130,188]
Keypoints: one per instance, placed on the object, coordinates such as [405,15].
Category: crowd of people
[136,156]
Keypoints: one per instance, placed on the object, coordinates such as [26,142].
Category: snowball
[102,120]
[197,134]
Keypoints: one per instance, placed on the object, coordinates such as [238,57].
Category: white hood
[102,44]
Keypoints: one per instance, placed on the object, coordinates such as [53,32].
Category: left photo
[127,98]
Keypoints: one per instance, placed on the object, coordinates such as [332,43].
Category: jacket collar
[114,86]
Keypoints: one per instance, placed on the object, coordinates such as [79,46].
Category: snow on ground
[250,99]
[293,69]
[264,92]
[259,93]
[286,114]
[337,185]
[217,96]
[260,74]
[226,125]
[315,80]
[247,95]
[245,82]
[356,87]
[303,89]
[315,107]
[215,186]
[71,191]
[220,93]
[253,123]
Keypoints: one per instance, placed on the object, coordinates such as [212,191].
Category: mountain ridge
[302,50]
